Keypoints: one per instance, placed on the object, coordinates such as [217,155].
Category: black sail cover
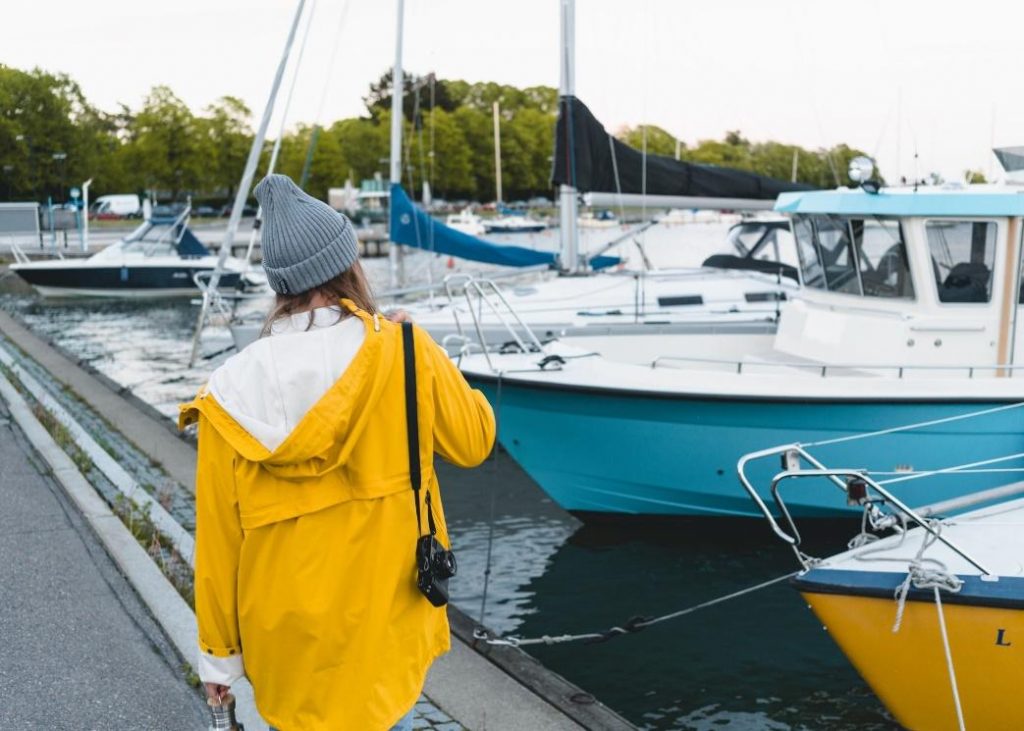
[583,159]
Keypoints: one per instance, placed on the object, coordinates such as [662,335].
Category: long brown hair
[350,284]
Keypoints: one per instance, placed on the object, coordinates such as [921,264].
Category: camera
[434,566]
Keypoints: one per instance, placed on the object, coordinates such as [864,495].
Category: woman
[306,522]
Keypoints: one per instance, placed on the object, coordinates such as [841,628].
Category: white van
[116,206]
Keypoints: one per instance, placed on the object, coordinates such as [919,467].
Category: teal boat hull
[598,451]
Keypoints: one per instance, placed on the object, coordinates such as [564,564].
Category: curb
[167,607]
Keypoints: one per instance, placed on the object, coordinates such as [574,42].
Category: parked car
[168,210]
[121,205]
[205,211]
[247,211]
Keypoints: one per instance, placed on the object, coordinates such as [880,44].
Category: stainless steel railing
[826,369]
[858,486]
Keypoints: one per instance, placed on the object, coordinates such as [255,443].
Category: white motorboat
[909,314]
[742,290]
[513,224]
[160,258]
[467,222]
[598,219]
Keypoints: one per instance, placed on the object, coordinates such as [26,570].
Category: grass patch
[159,547]
[190,675]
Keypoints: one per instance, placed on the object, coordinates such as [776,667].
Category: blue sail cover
[413,227]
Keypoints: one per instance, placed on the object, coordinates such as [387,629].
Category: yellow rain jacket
[305,555]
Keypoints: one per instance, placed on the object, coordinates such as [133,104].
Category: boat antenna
[567,93]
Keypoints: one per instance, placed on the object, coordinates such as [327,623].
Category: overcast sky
[940,77]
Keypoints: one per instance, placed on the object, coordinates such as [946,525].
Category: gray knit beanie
[305,242]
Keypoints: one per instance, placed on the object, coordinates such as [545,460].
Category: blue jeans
[403,724]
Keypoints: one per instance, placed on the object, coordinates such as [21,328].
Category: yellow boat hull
[908,671]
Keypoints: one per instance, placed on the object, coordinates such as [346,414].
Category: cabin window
[833,237]
[963,254]
[884,269]
[864,256]
[807,251]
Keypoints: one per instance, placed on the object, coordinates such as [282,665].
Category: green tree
[166,144]
[364,145]
[659,142]
[527,144]
[478,131]
[228,136]
[50,136]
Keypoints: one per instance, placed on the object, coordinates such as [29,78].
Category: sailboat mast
[567,91]
[397,89]
[257,147]
[497,151]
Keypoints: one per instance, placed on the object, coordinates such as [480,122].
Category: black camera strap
[412,427]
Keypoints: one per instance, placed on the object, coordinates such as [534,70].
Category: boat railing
[480,294]
[20,257]
[836,369]
[860,489]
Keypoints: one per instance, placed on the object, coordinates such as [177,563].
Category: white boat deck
[994,536]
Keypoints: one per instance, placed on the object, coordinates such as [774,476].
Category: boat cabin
[927,277]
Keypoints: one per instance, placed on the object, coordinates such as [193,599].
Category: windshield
[863,255]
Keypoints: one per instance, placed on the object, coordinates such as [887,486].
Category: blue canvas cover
[413,227]
[191,246]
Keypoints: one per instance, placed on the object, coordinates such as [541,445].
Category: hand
[215,691]
[398,316]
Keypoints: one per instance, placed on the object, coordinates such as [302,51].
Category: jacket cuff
[220,670]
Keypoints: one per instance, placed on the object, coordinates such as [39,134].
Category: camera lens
[446,565]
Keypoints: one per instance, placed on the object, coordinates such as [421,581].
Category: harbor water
[758,662]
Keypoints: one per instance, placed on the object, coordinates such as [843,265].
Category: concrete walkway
[77,647]
[465,688]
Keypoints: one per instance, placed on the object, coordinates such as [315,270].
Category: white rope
[633,625]
[938,579]
[949,661]
[951,470]
[911,427]
[960,471]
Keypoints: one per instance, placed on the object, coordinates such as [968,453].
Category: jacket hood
[296,402]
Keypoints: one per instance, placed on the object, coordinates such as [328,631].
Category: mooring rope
[631,626]
[936,579]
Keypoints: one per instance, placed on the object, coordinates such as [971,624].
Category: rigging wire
[911,427]
[314,134]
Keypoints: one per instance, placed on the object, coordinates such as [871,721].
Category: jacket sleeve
[218,545]
[463,419]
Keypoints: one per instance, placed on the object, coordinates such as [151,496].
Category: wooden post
[1008,310]
[497,150]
